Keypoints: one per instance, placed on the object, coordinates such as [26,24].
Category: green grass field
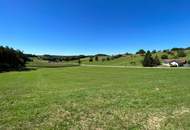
[95,98]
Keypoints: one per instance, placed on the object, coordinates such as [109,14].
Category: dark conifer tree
[156,61]
[96,58]
[148,60]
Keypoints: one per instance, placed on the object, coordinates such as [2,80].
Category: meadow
[95,98]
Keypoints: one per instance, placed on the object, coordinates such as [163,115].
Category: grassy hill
[133,60]
[130,60]
[124,60]
[38,62]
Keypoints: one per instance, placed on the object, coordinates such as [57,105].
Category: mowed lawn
[95,98]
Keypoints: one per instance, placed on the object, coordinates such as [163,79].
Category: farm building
[174,62]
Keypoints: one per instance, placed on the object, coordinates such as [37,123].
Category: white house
[173,62]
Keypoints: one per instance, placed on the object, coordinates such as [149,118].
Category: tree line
[55,58]
[12,59]
[16,59]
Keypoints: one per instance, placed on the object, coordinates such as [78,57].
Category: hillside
[123,60]
[38,62]
[131,60]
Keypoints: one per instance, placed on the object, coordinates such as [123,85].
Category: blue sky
[69,27]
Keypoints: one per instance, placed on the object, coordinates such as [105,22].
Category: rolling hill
[122,60]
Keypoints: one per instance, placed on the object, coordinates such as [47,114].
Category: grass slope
[123,61]
[44,63]
[134,60]
[95,98]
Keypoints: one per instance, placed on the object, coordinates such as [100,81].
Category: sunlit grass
[95,98]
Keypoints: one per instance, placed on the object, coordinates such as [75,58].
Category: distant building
[174,62]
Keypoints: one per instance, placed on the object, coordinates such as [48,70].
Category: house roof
[179,61]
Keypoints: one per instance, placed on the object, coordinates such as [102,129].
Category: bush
[175,57]
[133,63]
[188,61]
[91,59]
[157,60]
[103,59]
[96,58]
[181,53]
[108,58]
[79,61]
[164,56]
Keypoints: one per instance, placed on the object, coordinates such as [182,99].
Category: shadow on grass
[32,68]
[55,66]
[3,70]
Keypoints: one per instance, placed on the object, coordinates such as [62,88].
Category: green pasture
[95,98]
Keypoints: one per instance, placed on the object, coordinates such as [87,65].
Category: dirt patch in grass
[181,111]
[163,120]
[154,122]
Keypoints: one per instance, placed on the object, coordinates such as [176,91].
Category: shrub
[111,58]
[133,63]
[79,61]
[188,61]
[164,56]
[103,59]
[181,53]
[175,57]
[91,59]
[96,58]
[108,59]
[157,60]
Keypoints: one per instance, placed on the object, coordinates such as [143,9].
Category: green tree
[148,60]
[141,51]
[79,61]
[108,58]
[154,51]
[12,59]
[96,58]
[188,61]
[166,51]
[91,59]
[181,53]
[157,61]
[164,56]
